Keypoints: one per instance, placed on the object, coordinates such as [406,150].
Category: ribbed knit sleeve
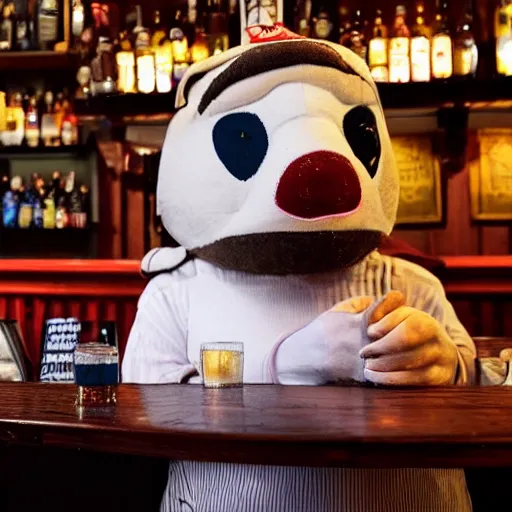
[157,346]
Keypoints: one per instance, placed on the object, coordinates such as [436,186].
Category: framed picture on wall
[490,176]
[421,197]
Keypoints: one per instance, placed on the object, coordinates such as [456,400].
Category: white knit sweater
[201,303]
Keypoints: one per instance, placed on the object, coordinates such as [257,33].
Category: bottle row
[59,203]
[37,119]
[419,53]
[149,59]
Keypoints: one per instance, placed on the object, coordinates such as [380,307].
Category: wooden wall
[460,236]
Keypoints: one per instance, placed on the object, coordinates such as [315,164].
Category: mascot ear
[163,259]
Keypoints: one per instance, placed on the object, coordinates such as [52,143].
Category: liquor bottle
[22,29]
[69,130]
[322,24]
[399,61]
[9,210]
[180,50]
[503,31]
[200,49]
[144,56]
[217,27]
[420,47]
[77,19]
[47,24]
[24,209]
[18,117]
[465,51]
[344,25]
[302,17]
[356,40]
[32,132]
[38,210]
[442,54]
[61,214]
[7,28]
[125,65]
[158,30]
[49,213]
[378,50]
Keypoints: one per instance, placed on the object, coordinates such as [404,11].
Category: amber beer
[222,364]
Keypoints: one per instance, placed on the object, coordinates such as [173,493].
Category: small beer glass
[96,374]
[222,364]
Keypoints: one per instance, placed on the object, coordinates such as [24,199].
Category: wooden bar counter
[314,426]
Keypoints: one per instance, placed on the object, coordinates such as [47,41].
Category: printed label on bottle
[442,64]
[146,73]
[323,28]
[378,52]
[380,74]
[504,56]
[399,64]
[47,28]
[420,59]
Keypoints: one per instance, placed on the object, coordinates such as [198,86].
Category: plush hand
[327,349]
[408,347]
[384,342]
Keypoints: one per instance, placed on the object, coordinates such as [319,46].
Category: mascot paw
[408,348]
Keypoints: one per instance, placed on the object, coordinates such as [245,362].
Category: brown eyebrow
[261,59]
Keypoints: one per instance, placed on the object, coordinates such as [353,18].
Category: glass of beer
[222,364]
[96,374]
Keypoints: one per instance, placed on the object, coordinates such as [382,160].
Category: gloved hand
[409,347]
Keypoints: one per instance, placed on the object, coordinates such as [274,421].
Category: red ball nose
[319,184]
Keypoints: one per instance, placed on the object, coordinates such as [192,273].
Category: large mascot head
[278,160]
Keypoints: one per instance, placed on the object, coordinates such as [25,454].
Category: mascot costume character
[277,179]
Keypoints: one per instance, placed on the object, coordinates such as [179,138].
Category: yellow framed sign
[420,181]
[490,176]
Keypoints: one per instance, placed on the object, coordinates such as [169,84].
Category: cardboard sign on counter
[60,337]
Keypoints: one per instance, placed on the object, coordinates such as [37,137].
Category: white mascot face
[279,160]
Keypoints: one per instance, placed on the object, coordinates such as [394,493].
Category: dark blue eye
[241,143]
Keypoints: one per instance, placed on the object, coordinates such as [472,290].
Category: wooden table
[317,426]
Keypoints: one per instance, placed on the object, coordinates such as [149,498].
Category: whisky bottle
[442,54]
[465,51]
[47,24]
[378,50]
[144,56]
[503,31]
[420,47]
[399,61]
[356,40]
[7,28]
